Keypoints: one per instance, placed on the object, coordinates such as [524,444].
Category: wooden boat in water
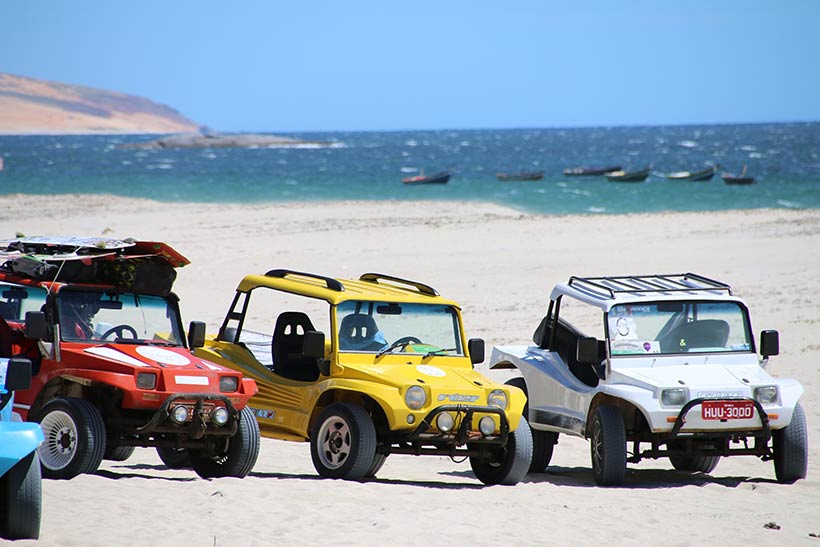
[590,171]
[438,178]
[628,176]
[523,175]
[730,178]
[703,175]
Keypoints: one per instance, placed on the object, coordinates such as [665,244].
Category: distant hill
[30,106]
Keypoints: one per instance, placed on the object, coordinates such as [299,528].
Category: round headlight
[486,425]
[220,416]
[766,394]
[415,397]
[673,397]
[497,398]
[228,384]
[444,422]
[179,414]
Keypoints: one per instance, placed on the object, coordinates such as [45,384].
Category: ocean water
[783,158]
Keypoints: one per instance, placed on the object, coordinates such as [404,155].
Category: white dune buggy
[672,372]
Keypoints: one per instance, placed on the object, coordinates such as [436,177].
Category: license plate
[727,410]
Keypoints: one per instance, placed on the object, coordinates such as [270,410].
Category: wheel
[790,447]
[238,458]
[378,462]
[507,464]
[21,500]
[118,453]
[343,442]
[174,458]
[608,446]
[74,438]
[543,442]
[692,462]
[119,330]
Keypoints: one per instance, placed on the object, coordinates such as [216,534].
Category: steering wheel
[407,340]
[119,330]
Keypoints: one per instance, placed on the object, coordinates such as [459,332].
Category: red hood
[143,356]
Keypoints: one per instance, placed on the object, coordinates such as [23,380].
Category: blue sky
[382,65]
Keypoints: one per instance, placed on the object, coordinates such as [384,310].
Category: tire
[343,442]
[238,458]
[693,462]
[118,453]
[174,458]
[21,500]
[790,447]
[74,438]
[543,442]
[378,462]
[608,446]
[509,464]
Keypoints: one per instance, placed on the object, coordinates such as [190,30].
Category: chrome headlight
[767,394]
[444,422]
[497,398]
[228,384]
[220,416]
[415,397]
[179,414]
[673,397]
[146,380]
[486,425]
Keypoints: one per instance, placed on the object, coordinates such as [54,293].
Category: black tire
[543,442]
[174,458]
[508,464]
[608,446]
[74,438]
[693,462]
[343,442]
[21,500]
[790,447]
[378,462]
[238,458]
[118,453]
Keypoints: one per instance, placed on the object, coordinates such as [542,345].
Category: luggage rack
[610,286]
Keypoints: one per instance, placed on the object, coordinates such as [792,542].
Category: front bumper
[464,431]
[198,426]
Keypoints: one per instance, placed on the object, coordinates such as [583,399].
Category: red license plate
[727,410]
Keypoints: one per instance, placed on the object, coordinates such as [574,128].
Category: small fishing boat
[730,178]
[590,171]
[523,175]
[628,176]
[703,175]
[438,178]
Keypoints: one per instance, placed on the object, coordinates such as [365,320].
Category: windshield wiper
[437,352]
[391,347]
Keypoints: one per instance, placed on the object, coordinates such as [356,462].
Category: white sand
[499,264]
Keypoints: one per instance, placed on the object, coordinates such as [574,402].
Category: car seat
[287,345]
[705,333]
[358,332]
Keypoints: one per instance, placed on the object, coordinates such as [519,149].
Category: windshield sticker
[430,370]
[623,328]
[635,347]
[163,355]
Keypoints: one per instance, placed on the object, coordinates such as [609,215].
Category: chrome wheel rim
[60,445]
[334,442]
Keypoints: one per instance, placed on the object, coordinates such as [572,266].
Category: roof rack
[421,287]
[608,287]
[332,284]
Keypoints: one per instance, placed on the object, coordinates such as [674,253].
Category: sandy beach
[499,264]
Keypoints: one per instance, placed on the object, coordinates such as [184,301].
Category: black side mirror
[475,346]
[196,334]
[540,336]
[18,374]
[587,350]
[314,344]
[769,343]
[36,326]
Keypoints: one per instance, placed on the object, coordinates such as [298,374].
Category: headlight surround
[146,380]
[445,422]
[220,416]
[766,394]
[673,397]
[415,397]
[228,384]
[497,398]
[179,414]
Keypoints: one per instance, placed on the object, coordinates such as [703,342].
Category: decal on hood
[163,356]
[430,370]
[115,355]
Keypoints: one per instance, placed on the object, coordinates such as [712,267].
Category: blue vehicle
[20,483]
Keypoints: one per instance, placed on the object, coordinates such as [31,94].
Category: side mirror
[769,343]
[36,326]
[539,337]
[18,374]
[475,346]
[196,334]
[587,350]
[314,344]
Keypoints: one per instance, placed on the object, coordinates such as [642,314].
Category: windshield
[16,300]
[121,317]
[678,327]
[373,327]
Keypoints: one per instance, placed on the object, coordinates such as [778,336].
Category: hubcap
[60,444]
[597,443]
[335,442]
